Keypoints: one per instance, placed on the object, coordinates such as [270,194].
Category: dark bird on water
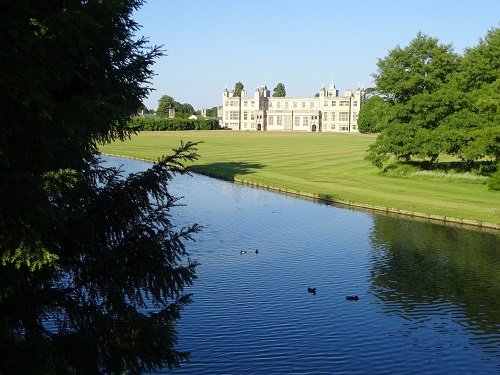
[256,251]
[312,290]
[352,298]
[243,251]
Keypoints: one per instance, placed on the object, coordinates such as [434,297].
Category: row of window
[331,127]
[327,116]
[342,103]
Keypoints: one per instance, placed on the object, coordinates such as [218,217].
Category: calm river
[429,295]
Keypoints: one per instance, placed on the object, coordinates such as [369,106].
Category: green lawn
[329,165]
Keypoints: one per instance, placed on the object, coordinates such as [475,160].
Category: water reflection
[441,277]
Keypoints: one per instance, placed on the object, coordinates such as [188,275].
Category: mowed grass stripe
[330,165]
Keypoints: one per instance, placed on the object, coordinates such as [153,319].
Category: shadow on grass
[226,170]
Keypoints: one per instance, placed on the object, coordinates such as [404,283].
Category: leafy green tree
[238,88]
[165,103]
[423,66]
[372,116]
[410,80]
[186,109]
[439,103]
[481,64]
[479,78]
[92,271]
[279,91]
[212,112]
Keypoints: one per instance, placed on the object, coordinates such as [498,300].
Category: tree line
[429,101]
[167,102]
[173,124]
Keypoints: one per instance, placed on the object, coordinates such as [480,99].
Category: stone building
[326,112]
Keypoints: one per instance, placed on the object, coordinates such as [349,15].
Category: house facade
[326,112]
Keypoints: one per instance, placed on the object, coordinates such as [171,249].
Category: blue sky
[303,44]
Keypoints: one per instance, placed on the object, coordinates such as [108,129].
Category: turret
[332,91]
[264,92]
[323,92]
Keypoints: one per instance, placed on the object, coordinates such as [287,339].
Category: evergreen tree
[85,252]
[238,88]
[279,91]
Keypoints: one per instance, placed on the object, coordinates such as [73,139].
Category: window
[294,104]
[252,116]
[297,121]
[332,116]
[343,128]
[226,115]
[270,120]
[271,105]
[325,116]
[354,103]
[355,116]
[332,126]
[252,103]
[245,103]
[344,103]
[334,103]
[233,115]
[303,104]
[226,103]
[311,104]
[286,104]
[245,115]
[279,120]
[305,121]
[325,103]
[343,116]
[233,103]
[278,105]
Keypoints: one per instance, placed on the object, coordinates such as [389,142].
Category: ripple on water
[252,313]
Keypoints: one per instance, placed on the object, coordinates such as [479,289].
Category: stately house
[327,112]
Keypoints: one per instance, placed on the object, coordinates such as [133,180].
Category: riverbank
[327,167]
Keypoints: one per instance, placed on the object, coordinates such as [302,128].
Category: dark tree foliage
[238,88]
[176,124]
[279,91]
[92,271]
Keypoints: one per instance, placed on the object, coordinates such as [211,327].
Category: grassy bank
[330,165]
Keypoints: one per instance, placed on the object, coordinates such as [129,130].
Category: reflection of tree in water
[421,263]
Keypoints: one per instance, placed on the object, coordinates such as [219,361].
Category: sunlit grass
[329,165]
[457,177]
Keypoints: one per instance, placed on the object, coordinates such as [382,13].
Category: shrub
[494,181]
